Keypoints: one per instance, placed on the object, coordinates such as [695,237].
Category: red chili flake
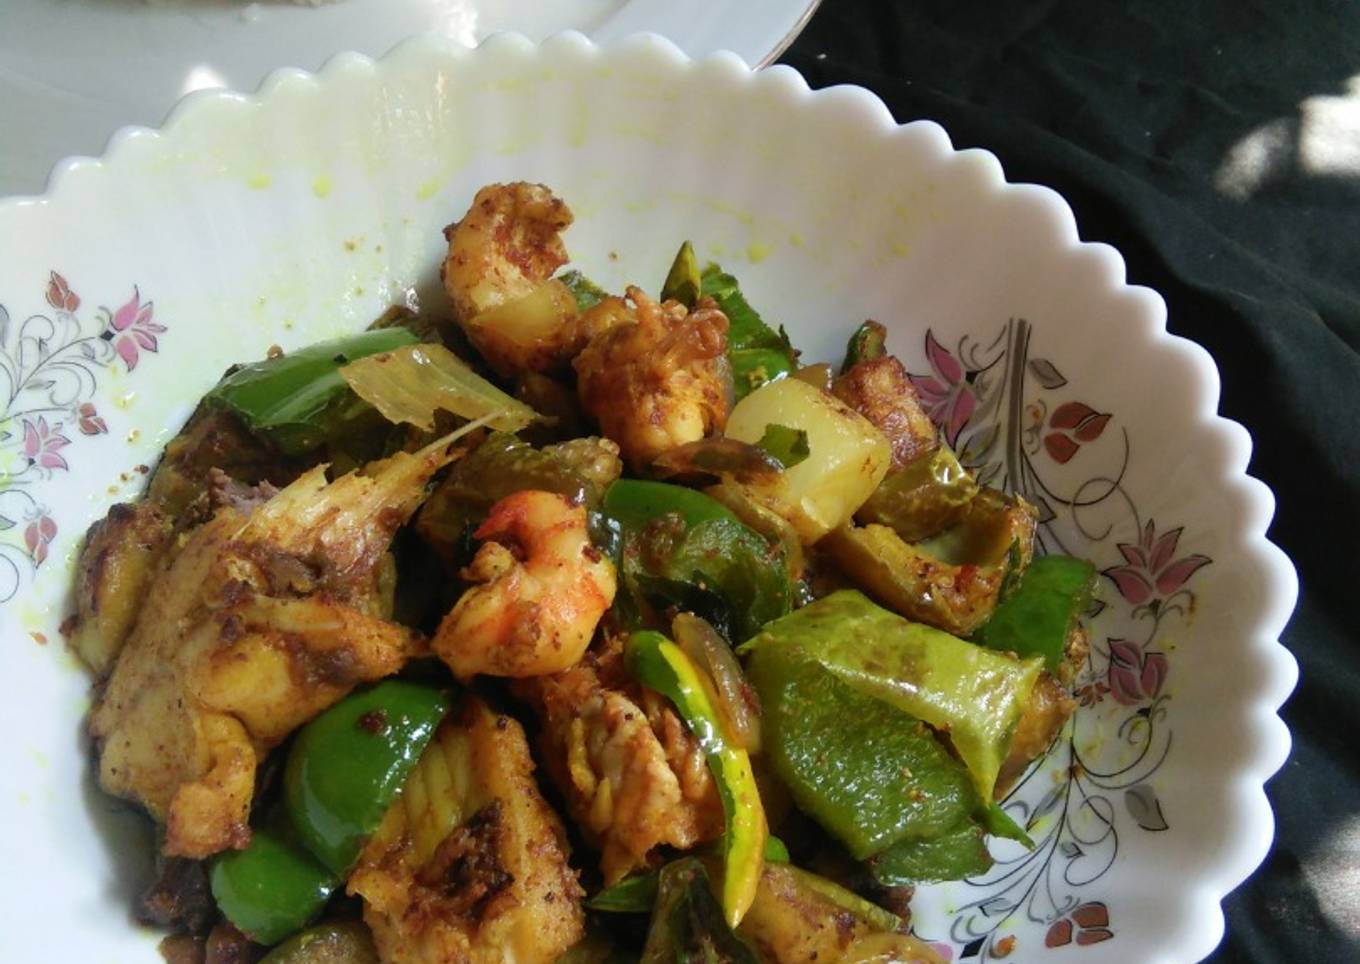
[374,721]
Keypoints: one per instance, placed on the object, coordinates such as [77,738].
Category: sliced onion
[411,383]
[718,457]
[734,699]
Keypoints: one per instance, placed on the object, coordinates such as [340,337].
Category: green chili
[659,664]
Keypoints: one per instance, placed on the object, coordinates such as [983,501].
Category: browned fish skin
[879,390]
[1048,709]
[469,866]
[268,613]
[120,558]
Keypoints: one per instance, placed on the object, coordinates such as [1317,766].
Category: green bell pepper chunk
[347,765]
[867,772]
[687,924]
[867,343]
[682,282]
[659,664]
[299,401]
[502,465]
[273,887]
[757,352]
[776,852]
[635,503]
[972,693]
[1038,617]
[682,547]
[922,498]
[341,942]
[958,853]
[636,893]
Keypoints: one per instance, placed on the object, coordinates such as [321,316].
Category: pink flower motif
[1149,570]
[42,444]
[946,395]
[38,535]
[1135,675]
[59,293]
[946,951]
[90,421]
[136,331]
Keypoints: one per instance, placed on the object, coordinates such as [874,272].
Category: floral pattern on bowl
[281,219]
[50,363]
[1006,413]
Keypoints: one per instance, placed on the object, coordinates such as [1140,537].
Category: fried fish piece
[469,865]
[269,612]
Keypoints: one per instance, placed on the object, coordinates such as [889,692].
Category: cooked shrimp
[658,379]
[498,275]
[545,589]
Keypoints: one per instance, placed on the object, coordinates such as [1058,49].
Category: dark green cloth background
[1130,108]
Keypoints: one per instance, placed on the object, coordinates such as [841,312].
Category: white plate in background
[73,71]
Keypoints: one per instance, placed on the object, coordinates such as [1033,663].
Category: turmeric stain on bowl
[519,83]
[757,251]
[722,207]
[642,132]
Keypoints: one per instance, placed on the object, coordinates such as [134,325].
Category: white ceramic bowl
[306,209]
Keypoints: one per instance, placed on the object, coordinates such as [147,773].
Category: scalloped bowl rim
[1258,710]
